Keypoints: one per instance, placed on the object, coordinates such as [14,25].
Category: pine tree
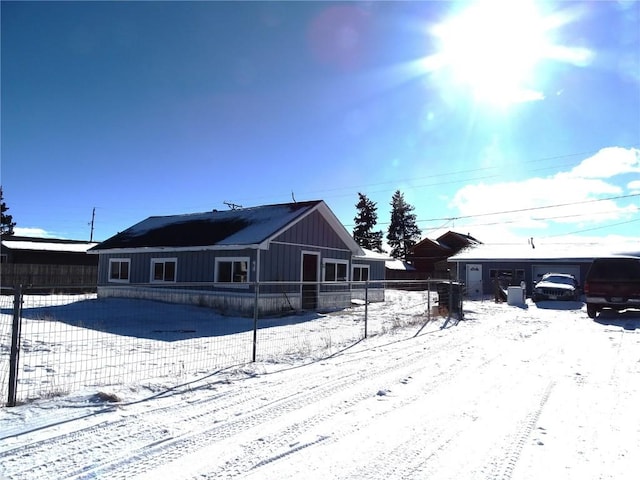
[365,220]
[6,221]
[403,232]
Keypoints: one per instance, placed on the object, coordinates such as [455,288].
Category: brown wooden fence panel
[40,275]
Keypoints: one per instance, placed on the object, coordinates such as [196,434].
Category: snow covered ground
[534,392]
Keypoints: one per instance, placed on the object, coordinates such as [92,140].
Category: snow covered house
[292,256]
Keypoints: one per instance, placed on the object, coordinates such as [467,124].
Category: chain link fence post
[15,347]
[366,307]
[255,323]
[450,306]
[428,300]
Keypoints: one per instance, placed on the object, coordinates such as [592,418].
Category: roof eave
[159,249]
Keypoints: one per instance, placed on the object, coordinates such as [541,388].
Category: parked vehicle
[556,286]
[612,283]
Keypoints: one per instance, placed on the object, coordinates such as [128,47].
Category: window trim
[232,260]
[336,261]
[119,280]
[360,266]
[163,260]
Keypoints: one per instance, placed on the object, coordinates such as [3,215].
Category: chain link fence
[56,343]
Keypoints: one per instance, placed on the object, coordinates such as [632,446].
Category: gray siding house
[293,256]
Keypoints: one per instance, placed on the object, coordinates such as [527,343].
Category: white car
[556,286]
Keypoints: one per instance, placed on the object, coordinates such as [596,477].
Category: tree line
[402,234]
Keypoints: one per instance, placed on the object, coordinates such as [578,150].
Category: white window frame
[359,266]
[163,260]
[337,262]
[232,260]
[119,280]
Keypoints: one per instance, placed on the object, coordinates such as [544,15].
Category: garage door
[539,270]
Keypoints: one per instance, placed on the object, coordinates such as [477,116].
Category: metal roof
[13,242]
[540,251]
[247,227]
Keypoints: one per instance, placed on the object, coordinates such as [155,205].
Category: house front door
[310,274]
[474,280]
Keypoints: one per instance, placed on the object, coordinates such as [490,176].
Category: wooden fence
[41,275]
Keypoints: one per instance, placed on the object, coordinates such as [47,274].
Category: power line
[472,170]
[593,228]
[548,206]
[569,233]
[366,187]
[522,210]
[537,219]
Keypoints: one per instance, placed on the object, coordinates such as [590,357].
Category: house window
[119,269]
[501,273]
[232,270]
[335,270]
[163,269]
[360,273]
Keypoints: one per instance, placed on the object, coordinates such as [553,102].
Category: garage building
[481,266]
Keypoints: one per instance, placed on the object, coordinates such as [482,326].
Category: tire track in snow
[504,464]
[475,433]
[110,451]
[154,442]
[400,453]
[253,451]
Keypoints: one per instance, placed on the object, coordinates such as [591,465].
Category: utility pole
[93,217]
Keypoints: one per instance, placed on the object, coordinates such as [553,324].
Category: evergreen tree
[403,232]
[6,221]
[366,219]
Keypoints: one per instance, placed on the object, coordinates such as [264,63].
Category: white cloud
[608,163]
[577,197]
[578,56]
[32,232]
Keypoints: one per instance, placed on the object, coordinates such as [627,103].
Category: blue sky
[505,120]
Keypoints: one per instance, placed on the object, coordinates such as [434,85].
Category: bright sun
[492,49]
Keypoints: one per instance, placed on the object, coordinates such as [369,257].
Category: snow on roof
[545,251]
[248,226]
[371,255]
[49,246]
[241,227]
[398,265]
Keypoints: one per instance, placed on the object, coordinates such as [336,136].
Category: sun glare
[493,48]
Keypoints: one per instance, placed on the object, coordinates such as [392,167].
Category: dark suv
[612,283]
